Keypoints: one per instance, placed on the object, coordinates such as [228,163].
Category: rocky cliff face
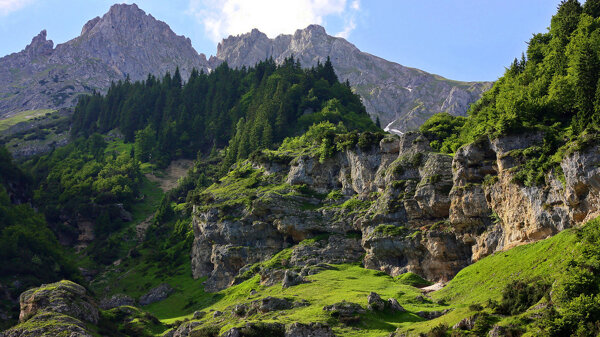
[395,206]
[403,98]
[125,42]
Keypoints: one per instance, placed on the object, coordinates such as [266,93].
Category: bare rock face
[486,196]
[335,249]
[397,206]
[125,42]
[403,98]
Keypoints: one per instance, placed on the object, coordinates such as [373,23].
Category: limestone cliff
[395,206]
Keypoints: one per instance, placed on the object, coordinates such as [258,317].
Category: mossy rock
[63,297]
[47,323]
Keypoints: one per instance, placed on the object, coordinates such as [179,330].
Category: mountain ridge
[402,97]
[108,49]
[128,43]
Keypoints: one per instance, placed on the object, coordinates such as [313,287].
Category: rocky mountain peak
[314,30]
[401,97]
[39,45]
[89,25]
[125,19]
[124,11]
[124,42]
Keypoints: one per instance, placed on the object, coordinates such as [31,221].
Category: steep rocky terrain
[394,206]
[402,97]
[125,42]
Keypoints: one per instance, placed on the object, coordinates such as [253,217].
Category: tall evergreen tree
[586,75]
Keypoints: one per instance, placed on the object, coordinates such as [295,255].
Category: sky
[467,40]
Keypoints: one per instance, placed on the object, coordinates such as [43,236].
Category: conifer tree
[592,8]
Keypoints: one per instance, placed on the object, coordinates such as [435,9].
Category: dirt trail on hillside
[177,169]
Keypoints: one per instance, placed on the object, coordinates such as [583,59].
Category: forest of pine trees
[247,109]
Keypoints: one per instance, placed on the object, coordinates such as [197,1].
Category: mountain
[125,42]
[402,97]
[336,231]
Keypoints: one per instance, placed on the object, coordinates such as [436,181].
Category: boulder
[156,294]
[466,323]
[199,314]
[116,300]
[308,330]
[375,302]
[346,312]
[63,297]
[269,304]
[257,329]
[432,314]
[239,310]
[48,323]
[184,329]
[291,278]
[394,305]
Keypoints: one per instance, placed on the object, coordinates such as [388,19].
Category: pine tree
[592,8]
[586,74]
[566,19]
[328,73]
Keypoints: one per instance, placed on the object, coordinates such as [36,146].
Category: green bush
[519,295]
[412,279]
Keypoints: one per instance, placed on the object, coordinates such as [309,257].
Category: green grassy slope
[350,283]
[476,284]
[21,117]
[486,279]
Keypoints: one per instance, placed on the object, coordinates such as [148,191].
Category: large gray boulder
[308,330]
[63,297]
[156,294]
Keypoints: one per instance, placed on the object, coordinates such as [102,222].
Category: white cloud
[222,18]
[9,6]
[348,28]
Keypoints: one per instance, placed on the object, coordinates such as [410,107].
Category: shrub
[519,295]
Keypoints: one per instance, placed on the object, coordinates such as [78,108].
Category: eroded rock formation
[400,208]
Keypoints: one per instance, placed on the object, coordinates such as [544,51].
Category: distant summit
[128,43]
[125,42]
[403,98]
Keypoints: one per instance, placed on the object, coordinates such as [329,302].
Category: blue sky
[458,39]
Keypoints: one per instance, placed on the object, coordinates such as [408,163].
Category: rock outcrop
[308,330]
[396,205]
[116,300]
[156,294]
[58,309]
[63,297]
